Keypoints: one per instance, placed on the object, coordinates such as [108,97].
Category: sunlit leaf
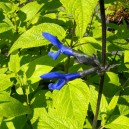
[33,37]
[73,100]
[81,10]
[121,122]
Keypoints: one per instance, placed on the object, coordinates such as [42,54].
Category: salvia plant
[64,64]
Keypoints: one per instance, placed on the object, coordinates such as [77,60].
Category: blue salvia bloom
[63,79]
[62,49]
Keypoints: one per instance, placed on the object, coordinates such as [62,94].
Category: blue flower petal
[53,39]
[54,55]
[71,76]
[52,75]
[63,78]
[67,51]
[60,83]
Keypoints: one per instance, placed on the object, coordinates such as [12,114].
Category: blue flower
[62,49]
[63,79]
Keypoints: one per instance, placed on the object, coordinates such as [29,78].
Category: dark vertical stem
[102,11]
[71,44]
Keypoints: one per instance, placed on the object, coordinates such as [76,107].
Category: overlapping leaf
[10,107]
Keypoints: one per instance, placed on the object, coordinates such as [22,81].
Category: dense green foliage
[25,100]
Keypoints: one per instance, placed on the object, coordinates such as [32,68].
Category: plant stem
[71,45]
[102,11]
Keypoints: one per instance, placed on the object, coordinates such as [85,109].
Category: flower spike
[62,49]
[63,79]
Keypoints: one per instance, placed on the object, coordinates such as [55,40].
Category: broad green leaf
[30,10]
[33,37]
[4,27]
[73,100]
[14,63]
[113,103]
[40,66]
[10,107]
[121,122]
[52,120]
[5,82]
[81,10]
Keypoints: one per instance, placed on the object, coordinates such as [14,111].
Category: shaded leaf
[10,107]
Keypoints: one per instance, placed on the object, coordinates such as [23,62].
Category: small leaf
[10,107]
[123,103]
[4,27]
[126,58]
[121,122]
[14,63]
[113,103]
[5,82]
[30,10]
[33,37]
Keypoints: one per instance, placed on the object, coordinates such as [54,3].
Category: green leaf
[5,82]
[4,27]
[14,63]
[93,100]
[52,120]
[90,41]
[121,122]
[41,99]
[73,100]
[111,82]
[33,37]
[87,49]
[126,58]
[40,66]
[30,10]
[113,103]
[123,103]
[14,123]
[10,107]
[81,10]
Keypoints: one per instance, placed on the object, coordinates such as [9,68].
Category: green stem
[101,84]
[71,45]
